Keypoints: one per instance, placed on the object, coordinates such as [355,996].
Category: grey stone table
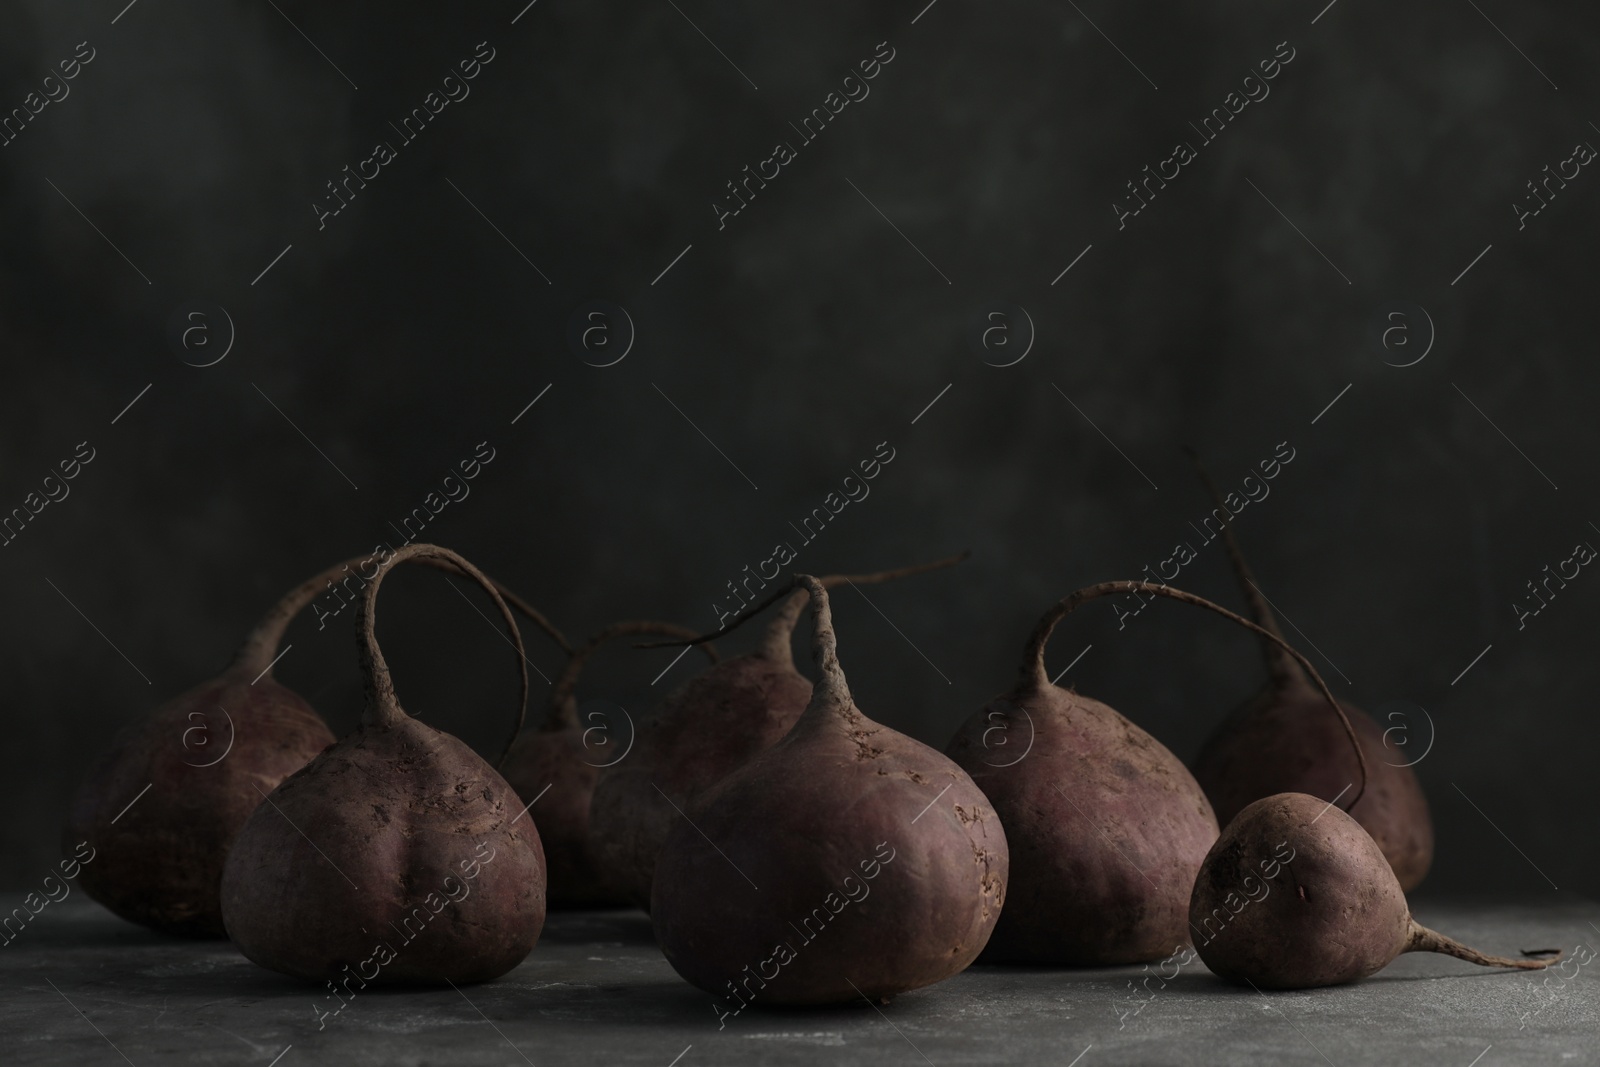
[82,987]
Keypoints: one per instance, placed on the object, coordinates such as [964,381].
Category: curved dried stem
[563,713]
[1033,675]
[831,690]
[780,631]
[1282,666]
[383,709]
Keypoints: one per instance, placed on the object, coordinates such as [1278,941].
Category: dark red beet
[706,728]
[555,768]
[1283,741]
[880,866]
[1296,894]
[1106,826]
[397,848]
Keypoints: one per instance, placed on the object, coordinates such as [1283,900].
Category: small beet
[1106,826]
[555,768]
[1283,741]
[397,848]
[1296,894]
[846,861]
[706,728]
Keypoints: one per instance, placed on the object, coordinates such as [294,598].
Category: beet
[706,728]
[1283,741]
[555,767]
[397,848]
[1296,894]
[1106,826]
[846,861]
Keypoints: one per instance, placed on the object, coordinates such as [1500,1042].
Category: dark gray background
[800,337]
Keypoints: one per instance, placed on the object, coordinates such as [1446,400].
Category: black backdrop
[771,355]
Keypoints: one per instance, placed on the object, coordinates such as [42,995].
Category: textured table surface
[83,987]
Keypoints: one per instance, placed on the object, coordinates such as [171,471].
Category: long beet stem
[781,629]
[1423,939]
[563,713]
[260,646]
[1280,665]
[1032,672]
[383,709]
[824,645]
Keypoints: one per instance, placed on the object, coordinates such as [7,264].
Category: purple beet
[1296,894]
[397,849]
[847,861]
[708,727]
[555,768]
[1282,740]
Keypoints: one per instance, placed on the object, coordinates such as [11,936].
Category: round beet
[846,861]
[1296,894]
[706,728]
[556,767]
[397,849]
[1283,741]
